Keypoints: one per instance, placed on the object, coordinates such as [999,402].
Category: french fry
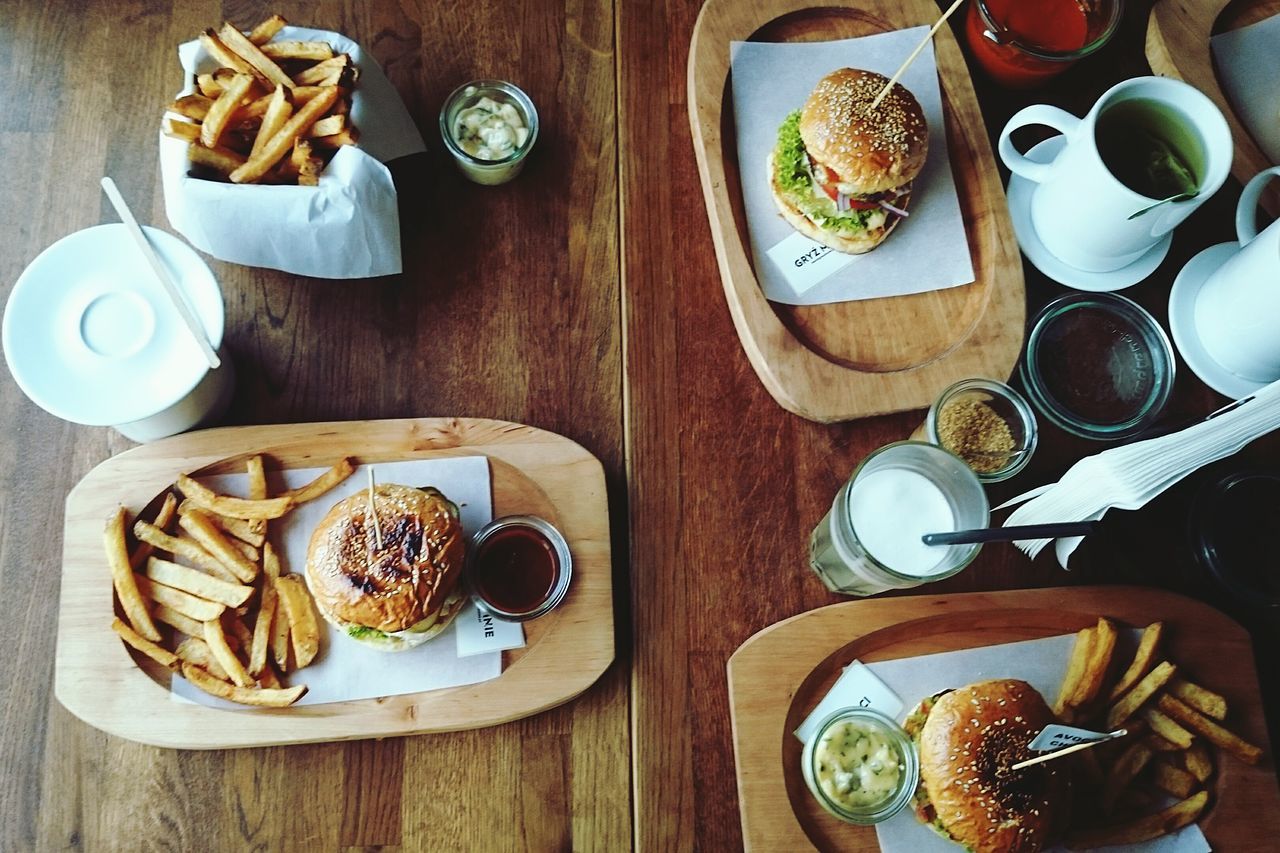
[210,537]
[208,85]
[267,30]
[164,517]
[205,498]
[195,650]
[194,107]
[1141,693]
[1080,652]
[222,160]
[1199,761]
[314,50]
[197,583]
[262,627]
[347,136]
[185,130]
[199,609]
[243,695]
[303,630]
[157,653]
[1143,659]
[322,70]
[1209,730]
[1095,671]
[1173,780]
[124,580]
[246,550]
[327,126]
[220,113]
[222,54]
[278,111]
[268,678]
[309,172]
[181,621]
[280,144]
[1126,768]
[264,68]
[1167,729]
[188,549]
[1143,829]
[280,635]
[1159,744]
[236,527]
[217,642]
[257,474]
[1205,701]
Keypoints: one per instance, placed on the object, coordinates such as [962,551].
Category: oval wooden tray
[777,678]
[1178,46]
[533,471]
[856,359]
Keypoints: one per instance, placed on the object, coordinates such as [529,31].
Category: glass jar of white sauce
[860,766]
[489,126]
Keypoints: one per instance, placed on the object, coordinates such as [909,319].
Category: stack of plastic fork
[1128,477]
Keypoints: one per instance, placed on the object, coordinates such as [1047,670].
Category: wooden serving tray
[856,359]
[777,678]
[1178,46]
[533,472]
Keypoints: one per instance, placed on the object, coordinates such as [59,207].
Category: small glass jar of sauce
[519,567]
[489,126]
[860,766]
[1022,43]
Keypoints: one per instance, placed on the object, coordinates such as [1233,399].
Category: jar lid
[92,337]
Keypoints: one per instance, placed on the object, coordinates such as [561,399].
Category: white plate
[1019,194]
[91,336]
[1182,323]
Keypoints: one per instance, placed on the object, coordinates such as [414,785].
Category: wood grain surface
[532,472]
[1178,46]
[508,308]
[854,359]
[725,486]
[802,657]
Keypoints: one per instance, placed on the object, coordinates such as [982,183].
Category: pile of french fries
[229,573]
[273,112]
[1172,723]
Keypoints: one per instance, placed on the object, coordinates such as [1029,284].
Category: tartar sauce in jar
[489,130]
[856,765]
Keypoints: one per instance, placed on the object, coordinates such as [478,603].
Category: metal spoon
[1172,198]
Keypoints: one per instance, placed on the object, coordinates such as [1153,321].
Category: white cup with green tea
[1149,152]
[1237,311]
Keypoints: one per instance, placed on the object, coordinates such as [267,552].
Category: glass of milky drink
[489,126]
[871,539]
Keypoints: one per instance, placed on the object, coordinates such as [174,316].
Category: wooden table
[535,302]
[725,486]
[508,308]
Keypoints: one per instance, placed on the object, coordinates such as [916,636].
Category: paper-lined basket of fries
[273,153]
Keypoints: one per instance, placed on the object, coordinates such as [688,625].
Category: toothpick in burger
[395,587]
[841,172]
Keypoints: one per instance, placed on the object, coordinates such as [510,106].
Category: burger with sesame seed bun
[395,585]
[841,172]
[967,740]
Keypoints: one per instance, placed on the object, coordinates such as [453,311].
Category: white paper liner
[346,670]
[347,227]
[927,251]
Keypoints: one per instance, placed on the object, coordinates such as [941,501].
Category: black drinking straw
[1008,534]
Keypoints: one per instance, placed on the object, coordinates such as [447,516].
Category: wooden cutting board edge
[759,718]
[97,680]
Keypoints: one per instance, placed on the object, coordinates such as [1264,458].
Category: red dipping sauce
[1035,39]
[519,568]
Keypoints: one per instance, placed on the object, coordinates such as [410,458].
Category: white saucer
[1019,195]
[1182,322]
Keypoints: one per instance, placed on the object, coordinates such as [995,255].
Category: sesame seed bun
[398,595]
[871,150]
[969,740]
[854,243]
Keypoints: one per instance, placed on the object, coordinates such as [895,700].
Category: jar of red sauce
[1022,43]
[519,567]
